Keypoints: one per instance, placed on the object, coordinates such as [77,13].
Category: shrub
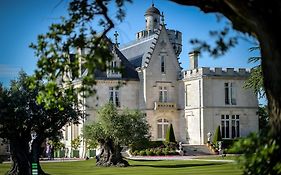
[228,143]
[217,136]
[159,152]
[170,135]
[75,143]
[142,153]
[155,144]
[140,145]
[149,152]
[136,152]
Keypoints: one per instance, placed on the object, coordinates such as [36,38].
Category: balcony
[164,106]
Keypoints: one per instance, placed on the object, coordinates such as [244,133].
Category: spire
[116,39]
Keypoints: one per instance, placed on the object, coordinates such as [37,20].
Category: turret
[152,19]
[152,22]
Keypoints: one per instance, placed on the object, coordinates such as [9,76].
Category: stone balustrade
[164,105]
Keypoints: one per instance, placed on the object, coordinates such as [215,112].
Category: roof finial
[152,3]
[162,19]
[116,39]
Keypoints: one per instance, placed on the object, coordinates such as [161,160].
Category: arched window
[162,127]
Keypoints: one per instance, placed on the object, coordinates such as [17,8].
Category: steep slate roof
[128,70]
[136,50]
[139,52]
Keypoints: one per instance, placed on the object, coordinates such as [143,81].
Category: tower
[152,22]
[152,19]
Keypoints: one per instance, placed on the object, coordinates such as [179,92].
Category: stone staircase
[196,150]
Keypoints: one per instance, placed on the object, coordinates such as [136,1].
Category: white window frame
[111,72]
[114,96]
[230,93]
[230,124]
[163,94]
[163,124]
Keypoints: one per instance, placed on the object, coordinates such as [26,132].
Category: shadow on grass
[178,165]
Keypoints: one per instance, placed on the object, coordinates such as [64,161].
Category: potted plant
[75,145]
[90,145]
[59,149]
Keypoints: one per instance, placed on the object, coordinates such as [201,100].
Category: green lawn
[166,167]
[229,157]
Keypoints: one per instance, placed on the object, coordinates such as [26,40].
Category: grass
[229,157]
[167,167]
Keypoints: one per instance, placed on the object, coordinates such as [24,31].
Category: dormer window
[113,69]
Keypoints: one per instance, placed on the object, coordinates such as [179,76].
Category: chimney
[193,59]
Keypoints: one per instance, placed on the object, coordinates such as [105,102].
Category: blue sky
[21,22]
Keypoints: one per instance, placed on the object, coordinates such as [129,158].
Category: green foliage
[75,143]
[170,136]
[22,115]
[263,117]
[217,136]
[261,154]
[142,153]
[255,81]
[128,127]
[58,145]
[58,50]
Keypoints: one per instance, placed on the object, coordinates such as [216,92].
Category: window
[163,94]
[112,70]
[114,96]
[113,66]
[162,64]
[230,127]
[186,96]
[162,127]
[66,132]
[229,91]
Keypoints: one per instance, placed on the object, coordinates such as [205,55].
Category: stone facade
[195,101]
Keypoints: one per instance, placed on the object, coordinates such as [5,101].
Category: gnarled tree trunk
[110,154]
[20,158]
[36,152]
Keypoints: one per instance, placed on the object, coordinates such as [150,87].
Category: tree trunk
[36,152]
[110,155]
[20,158]
[271,67]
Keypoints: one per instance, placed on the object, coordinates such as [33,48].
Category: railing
[164,105]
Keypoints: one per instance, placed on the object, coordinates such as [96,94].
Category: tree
[263,118]
[255,80]
[170,136]
[21,117]
[72,46]
[114,129]
[252,17]
[217,136]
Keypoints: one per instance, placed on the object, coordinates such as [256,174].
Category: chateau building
[196,100]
